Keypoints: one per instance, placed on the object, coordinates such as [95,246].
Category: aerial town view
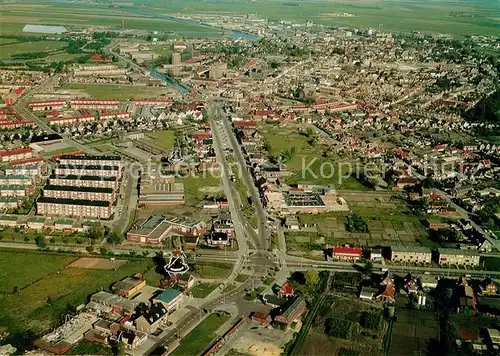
[250,177]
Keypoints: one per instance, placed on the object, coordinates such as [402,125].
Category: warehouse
[49,30]
[73,207]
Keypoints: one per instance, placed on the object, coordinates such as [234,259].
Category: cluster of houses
[286,308]
[130,314]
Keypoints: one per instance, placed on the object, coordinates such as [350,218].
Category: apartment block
[84,181]
[15,191]
[411,254]
[458,257]
[12,155]
[88,160]
[79,193]
[46,105]
[16,179]
[33,170]
[74,208]
[97,104]
[82,170]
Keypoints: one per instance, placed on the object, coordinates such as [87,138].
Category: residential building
[102,171]
[18,191]
[96,104]
[89,160]
[218,239]
[150,321]
[411,254]
[11,155]
[80,193]
[36,223]
[9,203]
[376,255]
[347,253]
[74,207]
[33,170]
[170,298]
[458,257]
[84,181]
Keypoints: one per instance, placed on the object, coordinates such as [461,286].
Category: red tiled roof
[21,162]
[15,152]
[286,289]
[357,251]
[242,123]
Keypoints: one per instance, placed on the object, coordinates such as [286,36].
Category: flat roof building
[74,207]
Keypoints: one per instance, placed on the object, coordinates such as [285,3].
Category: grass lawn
[212,270]
[163,138]
[11,50]
[201,336]
[61,150]
[197,187]
[115,91]
[86,347]
[52,295]
[21,269]
[242,277]
[202,290]
[492,263]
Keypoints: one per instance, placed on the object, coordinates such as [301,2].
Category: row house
[79,193]
[38,161]
[74,207]
[458,257]
[97,104]
[88,160]
[411,254]
[46,105]
[11,155]
[84,181]
[71,120]
[88,170]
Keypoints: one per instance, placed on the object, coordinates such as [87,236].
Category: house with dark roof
[150,321]
[291,313]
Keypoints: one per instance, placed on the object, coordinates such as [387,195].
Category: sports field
[47,289]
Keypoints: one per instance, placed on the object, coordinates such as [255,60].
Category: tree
[96,232]
[121,349]
[371,320]
[368,268]
[15,290]
[312,277]
[115,238]
[340,328]
[40,241]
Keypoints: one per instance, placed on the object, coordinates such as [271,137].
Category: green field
[165,138]
[15,16]
[11,50]
[123,92]
[49,289]
[200,337]
[86,347]
[202,290]
[19,269]
[214,270]
[197,187]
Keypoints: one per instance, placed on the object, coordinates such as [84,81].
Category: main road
[261,238]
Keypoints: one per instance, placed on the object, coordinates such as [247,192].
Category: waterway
[169,80]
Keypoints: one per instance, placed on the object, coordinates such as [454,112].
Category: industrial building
[73,207]
[160,193]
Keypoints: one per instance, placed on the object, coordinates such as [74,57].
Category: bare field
[97,263]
